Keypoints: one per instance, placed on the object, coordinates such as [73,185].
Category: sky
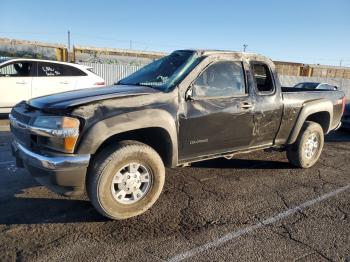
[291,30]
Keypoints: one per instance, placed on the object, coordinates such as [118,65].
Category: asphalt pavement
[256,207]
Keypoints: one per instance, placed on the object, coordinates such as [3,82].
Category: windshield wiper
[141,84]
[131,84]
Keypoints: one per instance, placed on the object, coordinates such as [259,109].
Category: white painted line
[271,220]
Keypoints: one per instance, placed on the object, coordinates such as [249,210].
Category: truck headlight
[58,132]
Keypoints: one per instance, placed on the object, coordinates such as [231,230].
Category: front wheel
[125,180]
[307,149]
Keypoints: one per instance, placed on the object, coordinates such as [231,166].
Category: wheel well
[155,137]
[322,118]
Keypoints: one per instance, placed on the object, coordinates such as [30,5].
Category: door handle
[21,82]
[64,82]
[246,105]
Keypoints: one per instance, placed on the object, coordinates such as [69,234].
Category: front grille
[20,117]
[20,136]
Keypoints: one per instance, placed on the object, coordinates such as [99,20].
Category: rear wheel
[307,149]
[125,180]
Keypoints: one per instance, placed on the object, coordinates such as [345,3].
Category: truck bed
[295,98]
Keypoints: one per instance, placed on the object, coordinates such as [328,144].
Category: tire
[298,153]
[118,163]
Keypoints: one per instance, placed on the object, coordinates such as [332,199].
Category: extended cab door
[52,78]
[218,115]
[268,107]
[15,83]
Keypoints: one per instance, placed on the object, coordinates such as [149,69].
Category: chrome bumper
[56,163]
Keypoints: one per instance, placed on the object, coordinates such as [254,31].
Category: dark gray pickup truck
[189,106]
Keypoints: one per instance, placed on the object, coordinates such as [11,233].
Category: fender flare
[94,137]
[308,109]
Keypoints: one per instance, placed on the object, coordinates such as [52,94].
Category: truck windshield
[164,73]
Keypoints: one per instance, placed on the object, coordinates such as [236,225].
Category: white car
[316,86]
[23,79]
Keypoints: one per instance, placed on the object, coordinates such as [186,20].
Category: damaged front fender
[100,132]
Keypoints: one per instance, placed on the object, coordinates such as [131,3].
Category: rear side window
[50,69]
[17,69]
[73,71]
[262,78]
[53,69]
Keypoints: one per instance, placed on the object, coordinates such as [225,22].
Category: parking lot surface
[254,207]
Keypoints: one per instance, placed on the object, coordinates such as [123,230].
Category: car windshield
[164,73]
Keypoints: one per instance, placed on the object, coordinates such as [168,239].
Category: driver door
[218,114]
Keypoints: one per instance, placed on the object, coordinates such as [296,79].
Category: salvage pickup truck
[189,106]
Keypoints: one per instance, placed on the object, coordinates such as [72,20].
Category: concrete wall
[32,49]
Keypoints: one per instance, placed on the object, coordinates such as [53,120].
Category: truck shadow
[4,116]
[24,201]
[338,136]
[18,210]
[243,164]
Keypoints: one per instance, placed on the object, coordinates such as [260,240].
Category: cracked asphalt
[199,205]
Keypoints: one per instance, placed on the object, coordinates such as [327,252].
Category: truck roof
[236,54]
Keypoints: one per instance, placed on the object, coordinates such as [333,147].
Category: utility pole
[341,60]
[245,47]
[68,46]
[130,45]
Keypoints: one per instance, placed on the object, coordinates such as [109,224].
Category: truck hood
[61,101]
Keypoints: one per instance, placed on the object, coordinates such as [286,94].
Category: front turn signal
[69,143]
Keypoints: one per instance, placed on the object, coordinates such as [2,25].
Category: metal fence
[113,73]
[8,70]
